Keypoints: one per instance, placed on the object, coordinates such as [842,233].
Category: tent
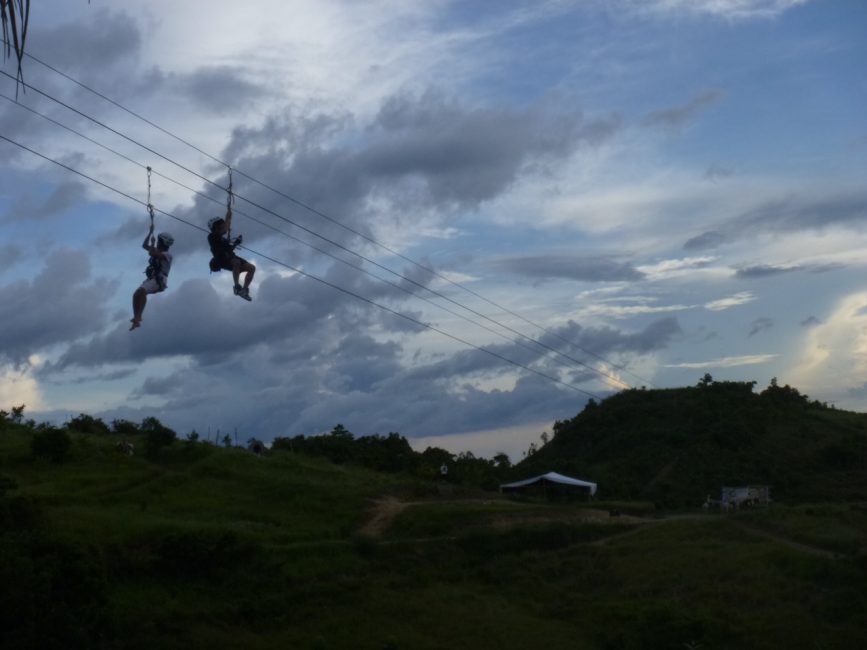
[548,479]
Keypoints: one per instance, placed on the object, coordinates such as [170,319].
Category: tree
[51,444]
[157,435]
[227,440]
[84,423]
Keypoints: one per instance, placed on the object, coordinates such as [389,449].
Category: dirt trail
[786,541]
[385,510]
[382,514]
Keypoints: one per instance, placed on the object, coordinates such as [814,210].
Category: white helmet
[165,239]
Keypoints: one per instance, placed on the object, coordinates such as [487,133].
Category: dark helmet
[212,223]
[165,239]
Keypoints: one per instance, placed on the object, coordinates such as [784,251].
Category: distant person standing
[157,272]
[224,257]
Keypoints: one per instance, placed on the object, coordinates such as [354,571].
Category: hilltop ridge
[675,446]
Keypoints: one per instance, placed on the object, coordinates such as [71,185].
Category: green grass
[216,548]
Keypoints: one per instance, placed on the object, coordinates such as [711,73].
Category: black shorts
[226,263]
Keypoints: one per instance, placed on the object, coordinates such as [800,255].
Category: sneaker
[238,289]
[245,294]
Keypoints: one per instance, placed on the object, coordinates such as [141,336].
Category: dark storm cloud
[760,325]
[792,214]
[296,312]
[88,47]
[9,255]
[419,153]
[588,268]
[710,239]
[764,271]
[605,340]
[677,115]
[328,374]
[217,89]
[57,306]
[62,197]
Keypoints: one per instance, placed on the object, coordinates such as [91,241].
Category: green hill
[189,545]
[676,446]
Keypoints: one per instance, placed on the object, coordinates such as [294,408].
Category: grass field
[204,547]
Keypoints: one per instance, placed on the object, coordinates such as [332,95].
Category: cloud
[716,172]
[9,255]
[704,241]
[587,268]
[791,214]
[19,386]
[726,9]
[61,198]
[87,48]
[57,306]
[834,352]
[810,321]
[760,325]
[726,362]
[764,270]
[735,300]
[676,116]
[219,89]
[428,150]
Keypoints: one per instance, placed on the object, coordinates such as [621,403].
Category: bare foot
[135,324]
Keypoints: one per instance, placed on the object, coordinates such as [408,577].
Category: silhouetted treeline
[676,446]
[393,453]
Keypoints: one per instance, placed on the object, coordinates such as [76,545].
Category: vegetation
[190,544]
[676,446]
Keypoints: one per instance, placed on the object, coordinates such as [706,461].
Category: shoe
[245,294]
[238,289]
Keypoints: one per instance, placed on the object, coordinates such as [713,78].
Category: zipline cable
[310,275]
[290,236]
[312,232]
[337,222]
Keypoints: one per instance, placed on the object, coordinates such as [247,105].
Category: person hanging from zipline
[159,265]
[223,250]
[157,272]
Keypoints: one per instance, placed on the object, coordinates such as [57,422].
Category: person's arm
[149,244]
[229,218]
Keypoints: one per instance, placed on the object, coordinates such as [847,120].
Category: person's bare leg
[251,270]
[139,300]
[236,271]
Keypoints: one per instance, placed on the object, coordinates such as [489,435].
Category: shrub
[51,444]
[157,435]
[84,423]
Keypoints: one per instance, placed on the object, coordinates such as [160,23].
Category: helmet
[213,222]
[165,239]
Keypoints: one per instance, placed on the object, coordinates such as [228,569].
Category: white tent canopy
[551,477]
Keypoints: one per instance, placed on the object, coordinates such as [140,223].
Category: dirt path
[382,514]
[786,541]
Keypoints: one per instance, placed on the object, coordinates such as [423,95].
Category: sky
[486,213]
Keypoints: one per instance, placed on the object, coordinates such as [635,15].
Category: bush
[84,423]
[157,436]
[51,444]
[124,427]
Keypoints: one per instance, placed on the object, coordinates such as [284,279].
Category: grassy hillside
[676,446]
[206,547]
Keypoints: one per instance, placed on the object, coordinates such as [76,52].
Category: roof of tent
[552,477]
